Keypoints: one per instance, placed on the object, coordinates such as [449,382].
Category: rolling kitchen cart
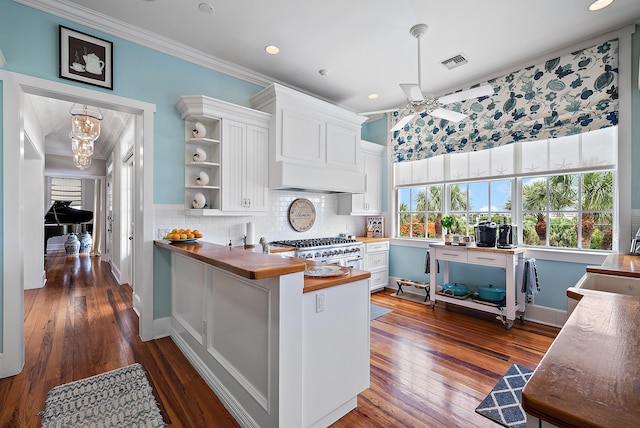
[511,260]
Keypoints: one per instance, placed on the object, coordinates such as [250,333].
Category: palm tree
[562,194]
[597,194]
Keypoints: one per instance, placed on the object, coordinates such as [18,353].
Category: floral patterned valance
[567,95]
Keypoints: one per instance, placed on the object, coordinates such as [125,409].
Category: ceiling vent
[454,62]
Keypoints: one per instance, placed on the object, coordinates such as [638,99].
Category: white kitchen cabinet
[369,202]
[236,145]
[376,261]
[245,170]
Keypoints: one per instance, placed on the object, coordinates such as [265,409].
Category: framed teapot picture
[85,58]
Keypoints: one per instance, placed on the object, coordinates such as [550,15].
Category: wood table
[590,376]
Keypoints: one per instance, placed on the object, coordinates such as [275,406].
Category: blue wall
[139,73]
[29,42]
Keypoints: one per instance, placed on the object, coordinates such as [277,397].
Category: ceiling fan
[419,102]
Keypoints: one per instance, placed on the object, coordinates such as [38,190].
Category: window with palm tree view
[564,189]
[564,211]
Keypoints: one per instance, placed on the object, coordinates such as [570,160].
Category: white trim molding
[14,87]
[84,16]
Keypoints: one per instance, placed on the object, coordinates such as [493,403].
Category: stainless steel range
[341,251]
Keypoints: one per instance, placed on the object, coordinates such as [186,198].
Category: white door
[129,221]
[109,203]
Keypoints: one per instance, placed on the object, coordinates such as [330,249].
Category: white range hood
[313,145]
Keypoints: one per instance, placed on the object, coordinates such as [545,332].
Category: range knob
[317,255]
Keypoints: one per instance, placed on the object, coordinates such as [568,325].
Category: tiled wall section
[273,226]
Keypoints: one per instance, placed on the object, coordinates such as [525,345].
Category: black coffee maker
[505,235]
[485,232]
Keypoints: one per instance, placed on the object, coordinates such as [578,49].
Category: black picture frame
[85,58]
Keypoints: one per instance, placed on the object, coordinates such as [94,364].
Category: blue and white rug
[118,398]
[377,311]
[503,404]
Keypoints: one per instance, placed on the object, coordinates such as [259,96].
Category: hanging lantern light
[85,122]
[81,161]
[81,147]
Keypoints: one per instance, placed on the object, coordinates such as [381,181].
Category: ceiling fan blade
[413,91]
[402,123]
[481,91]
[449,115]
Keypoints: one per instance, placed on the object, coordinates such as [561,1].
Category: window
[564,191]
[420,211]
[568,211]
[66,189]
[476,201]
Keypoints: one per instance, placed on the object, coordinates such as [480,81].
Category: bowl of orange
[183,236]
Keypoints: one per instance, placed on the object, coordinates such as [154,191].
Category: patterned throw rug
[502,405]
[118,398]
[377,311]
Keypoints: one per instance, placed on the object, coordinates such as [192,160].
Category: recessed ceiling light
[373,96]
[205,8]
[600,4]
[272,49]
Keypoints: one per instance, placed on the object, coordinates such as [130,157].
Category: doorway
[16,202]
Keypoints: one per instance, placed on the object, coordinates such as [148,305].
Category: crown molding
[84,16]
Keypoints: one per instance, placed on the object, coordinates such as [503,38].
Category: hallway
[82,324]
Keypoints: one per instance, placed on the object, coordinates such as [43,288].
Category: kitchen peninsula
[278,348]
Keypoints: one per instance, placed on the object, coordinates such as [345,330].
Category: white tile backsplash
[273,226]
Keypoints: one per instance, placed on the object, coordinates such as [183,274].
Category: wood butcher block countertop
[256,265]
[619,264]
[590,376]
[366,240]
[473,247]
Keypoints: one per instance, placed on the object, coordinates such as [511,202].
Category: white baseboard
[116,273]
[546,316]
[533,313]
[161,328]
[229,402]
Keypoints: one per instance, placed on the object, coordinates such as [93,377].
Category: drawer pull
[486,258]
[451,254]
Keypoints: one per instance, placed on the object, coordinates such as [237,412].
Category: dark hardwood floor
[429,368]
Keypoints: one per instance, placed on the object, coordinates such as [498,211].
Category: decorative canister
[86,241]
[72,245]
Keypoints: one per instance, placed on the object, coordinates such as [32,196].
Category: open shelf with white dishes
[202,174]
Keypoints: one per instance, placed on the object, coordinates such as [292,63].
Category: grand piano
[60,217]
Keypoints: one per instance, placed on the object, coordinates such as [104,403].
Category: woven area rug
[377,311]
[118,398]
[503,404]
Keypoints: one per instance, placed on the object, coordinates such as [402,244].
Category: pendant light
[85,122]
[85,129]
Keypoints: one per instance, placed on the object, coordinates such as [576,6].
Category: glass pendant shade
[85,122]
[81,162]
[81,147]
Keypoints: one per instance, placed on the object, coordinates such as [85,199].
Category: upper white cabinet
[369,202]
[231,156]
[313,144]
[246,148]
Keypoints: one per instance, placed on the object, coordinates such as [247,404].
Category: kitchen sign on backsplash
[376,226]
